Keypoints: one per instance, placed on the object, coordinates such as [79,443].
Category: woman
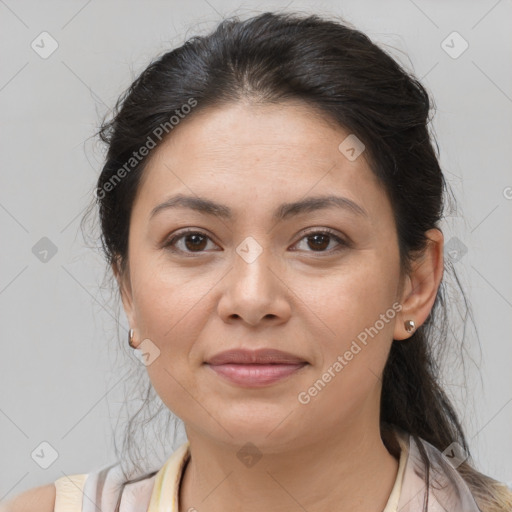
[270,208]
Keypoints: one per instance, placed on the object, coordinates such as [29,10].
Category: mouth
[255,368]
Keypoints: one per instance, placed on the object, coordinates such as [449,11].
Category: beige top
[162,489]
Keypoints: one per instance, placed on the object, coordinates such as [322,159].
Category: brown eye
[193,241]
[197,242]
[319,241]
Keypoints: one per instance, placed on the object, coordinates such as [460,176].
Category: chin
[259,426]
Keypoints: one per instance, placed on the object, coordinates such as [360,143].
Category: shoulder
[41,499]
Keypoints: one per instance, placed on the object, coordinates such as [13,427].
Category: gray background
[60,370]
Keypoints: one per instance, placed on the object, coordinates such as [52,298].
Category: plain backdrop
[60,376]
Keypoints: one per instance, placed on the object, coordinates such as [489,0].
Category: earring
[409,325]
[130,338]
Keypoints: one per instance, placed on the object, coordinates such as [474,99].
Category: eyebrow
[283,212]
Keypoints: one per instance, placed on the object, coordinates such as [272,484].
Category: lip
[255,368]
[261,356]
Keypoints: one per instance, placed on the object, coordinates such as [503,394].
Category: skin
[323,455]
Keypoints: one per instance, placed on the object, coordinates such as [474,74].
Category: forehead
[283,133]
[244,152]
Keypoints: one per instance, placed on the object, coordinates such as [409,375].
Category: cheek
[355,342]
[357,294]
[169,310]
[165,296]
[356,310]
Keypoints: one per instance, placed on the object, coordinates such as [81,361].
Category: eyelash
[326,231]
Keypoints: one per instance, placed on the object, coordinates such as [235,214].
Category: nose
[254,292]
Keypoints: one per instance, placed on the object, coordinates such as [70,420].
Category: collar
[447,490]
[164,497]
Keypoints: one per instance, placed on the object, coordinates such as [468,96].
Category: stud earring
[409,325]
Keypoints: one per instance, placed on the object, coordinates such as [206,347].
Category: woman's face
[259,278]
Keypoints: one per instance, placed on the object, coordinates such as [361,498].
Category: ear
[125,289]
[421,285]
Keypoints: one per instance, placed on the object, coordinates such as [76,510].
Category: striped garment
[102,490]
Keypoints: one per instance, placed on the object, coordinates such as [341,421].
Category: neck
[351,472]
